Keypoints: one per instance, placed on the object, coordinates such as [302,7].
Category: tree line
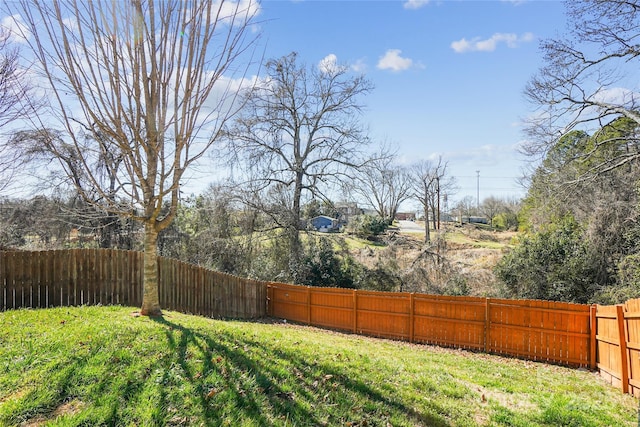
[582,209]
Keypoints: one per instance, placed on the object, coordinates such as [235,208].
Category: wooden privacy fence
[618,342]
[606,337]
[106,276]
[536,330]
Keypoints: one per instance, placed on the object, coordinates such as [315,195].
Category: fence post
[411,317]
[269,301]
[355,311]
[308,305]
[487,324]
[593,334]
[624,362]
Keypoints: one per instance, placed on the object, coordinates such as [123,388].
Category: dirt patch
[18,394]
[506,400]
[71,407]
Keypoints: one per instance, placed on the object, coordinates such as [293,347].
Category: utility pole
[438,194]
[478,193]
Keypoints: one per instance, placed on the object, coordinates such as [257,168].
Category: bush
[367,226]
[553,265]
[385,276]
[321,266]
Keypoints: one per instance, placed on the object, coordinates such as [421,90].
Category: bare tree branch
[589,78]
[148,80]
[298,131]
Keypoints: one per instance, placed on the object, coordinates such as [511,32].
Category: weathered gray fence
[106,276]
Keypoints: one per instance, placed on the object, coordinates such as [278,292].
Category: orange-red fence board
[450,321]
[536,330]
[540,330]
[632,318]
[608,341]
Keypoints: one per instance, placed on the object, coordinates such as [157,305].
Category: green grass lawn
[104,366]
[461,238]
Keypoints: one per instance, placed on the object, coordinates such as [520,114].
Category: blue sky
[448,75]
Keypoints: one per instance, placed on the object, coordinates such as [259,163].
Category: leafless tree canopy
[141,90]
[430,182]
[16,101]
[382,184]
[299,130]
[589,78]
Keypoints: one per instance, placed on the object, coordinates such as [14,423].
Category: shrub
[367,226]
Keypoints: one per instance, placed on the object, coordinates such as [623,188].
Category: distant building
[346,210]
[405,216]
[472,220]
[325,224]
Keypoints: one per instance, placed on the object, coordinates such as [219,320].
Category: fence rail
[602,337]
[106,276]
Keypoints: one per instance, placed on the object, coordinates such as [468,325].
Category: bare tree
[589,79]
[147,81]
[16,101]
[467,206]
[492,206]
[430,183]
[383,185]
[299,130]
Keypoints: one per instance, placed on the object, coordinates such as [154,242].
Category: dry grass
[472,254]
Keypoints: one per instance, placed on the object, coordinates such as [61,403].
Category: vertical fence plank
[632,321]
[355,311]
[624,356]
[74,268]
[60,277]
[487,325]
[3,281]
[53,292]
[412,320]
[593,322]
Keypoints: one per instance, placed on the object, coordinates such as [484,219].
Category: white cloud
[235,11]
[328,64]
[16,28]
[360,66]
[616,96]
[489,45]
[393,61]
[415,4]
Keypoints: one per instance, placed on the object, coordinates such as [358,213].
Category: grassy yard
[105,366]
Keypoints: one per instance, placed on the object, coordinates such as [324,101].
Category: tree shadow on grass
[265,384]
[204,379]
[231,384]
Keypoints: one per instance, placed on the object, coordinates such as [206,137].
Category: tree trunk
[427,235]
[295,246]
[150,294]
[434,219]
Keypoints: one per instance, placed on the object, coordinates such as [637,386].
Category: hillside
[470,251]
[107,366]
